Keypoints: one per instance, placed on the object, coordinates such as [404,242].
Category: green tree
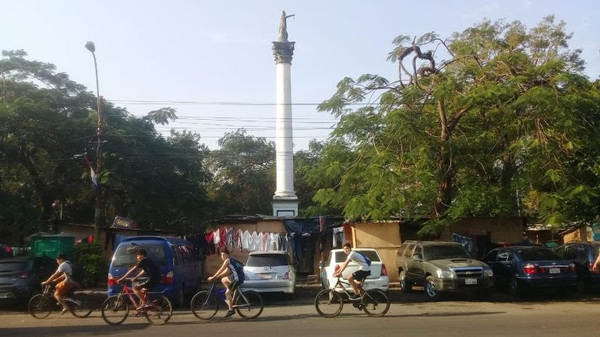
[503,127]
[48,123]
[244,174]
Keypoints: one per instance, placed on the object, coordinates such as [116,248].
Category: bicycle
[115,309]
[41,305]
[329,302]
[247,303]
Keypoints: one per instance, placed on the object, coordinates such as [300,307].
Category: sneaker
[229,313]
[65,310]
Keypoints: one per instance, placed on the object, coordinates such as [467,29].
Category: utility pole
[95,172]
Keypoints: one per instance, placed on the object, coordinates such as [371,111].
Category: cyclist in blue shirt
[229,278]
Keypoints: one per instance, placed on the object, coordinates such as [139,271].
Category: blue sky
[197,55]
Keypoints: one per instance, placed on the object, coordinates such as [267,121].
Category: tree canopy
[47,129]
[497,120]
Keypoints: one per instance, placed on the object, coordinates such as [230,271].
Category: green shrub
[91,259]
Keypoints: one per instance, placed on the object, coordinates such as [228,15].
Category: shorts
[361,275]
[63,287]
[145,284]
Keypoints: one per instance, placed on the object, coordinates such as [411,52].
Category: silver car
[270,272]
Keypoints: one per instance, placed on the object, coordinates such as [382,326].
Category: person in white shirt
[359,276]
[62,275]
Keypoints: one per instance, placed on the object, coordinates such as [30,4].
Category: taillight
[572,268]
[336,269]
[111,281]
[286,275]
[529,269]
[383,270]
[167,278]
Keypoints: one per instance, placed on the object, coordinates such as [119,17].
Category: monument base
[287,207]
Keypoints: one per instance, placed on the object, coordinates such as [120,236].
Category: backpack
[239,269]
[77,272]
[367,260]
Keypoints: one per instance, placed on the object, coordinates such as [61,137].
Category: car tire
[405,284]
[515,287]
[430,289]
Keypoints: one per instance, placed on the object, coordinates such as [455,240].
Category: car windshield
[272,260]
[537,255]
[125,256]
[11,266]
[444,252]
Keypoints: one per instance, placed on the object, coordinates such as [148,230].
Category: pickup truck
[377,280]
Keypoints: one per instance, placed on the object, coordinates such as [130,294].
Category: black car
[583,254]
[20,277]
[523,267]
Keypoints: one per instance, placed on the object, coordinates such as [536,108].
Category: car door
[416,270]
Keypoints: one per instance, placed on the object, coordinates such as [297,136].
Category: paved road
[536,317]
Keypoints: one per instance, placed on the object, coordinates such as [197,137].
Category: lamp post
[98,193]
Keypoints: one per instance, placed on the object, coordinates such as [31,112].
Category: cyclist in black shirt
[147,268]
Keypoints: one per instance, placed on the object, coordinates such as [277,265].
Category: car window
[272,260]
[12,266]
[418,251]
[125,256]
[504,256]
[537,254]
[340,256]
[371,254]
[491,256]
[444,252]
[409,251]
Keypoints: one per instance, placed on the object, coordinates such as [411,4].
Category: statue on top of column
[283,35]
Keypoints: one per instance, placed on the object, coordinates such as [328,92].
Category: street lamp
[98,193]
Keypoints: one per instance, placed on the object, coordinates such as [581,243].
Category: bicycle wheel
[204,305]
[328,303]
[375,303]
[249,304]
[79,306]
[160,312]
[115,310]
[40,306]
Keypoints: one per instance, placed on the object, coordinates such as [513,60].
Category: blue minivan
[180,266]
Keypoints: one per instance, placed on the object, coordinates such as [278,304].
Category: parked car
[442,267]
[583,254]
[522,267]
[270,272]
[20,277]
[377,280]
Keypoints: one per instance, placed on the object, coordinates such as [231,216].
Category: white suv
[377,280]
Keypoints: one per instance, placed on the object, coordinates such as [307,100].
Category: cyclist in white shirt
[358,276]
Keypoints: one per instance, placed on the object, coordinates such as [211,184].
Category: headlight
[488,273]
[445,274]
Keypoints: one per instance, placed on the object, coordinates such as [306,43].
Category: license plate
[554,270]
[470,281]
[265,276]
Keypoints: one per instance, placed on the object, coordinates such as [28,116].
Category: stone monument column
[285,201]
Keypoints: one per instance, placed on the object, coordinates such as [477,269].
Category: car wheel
[430,289]
[514,287]
[405,285]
